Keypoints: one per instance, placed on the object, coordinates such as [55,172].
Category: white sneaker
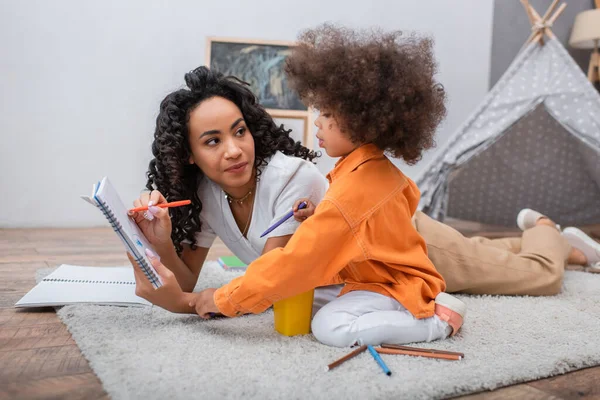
[450,309]
[582,242]
[527,218]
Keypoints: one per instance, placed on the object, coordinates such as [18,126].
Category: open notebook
[71,284]
[105,197]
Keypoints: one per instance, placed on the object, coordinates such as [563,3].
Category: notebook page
[71,284]
[130,233]
[101,274]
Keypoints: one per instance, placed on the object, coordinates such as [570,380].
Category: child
[376,93]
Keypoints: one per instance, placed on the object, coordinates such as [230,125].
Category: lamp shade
[586,29]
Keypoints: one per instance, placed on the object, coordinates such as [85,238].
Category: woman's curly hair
[379,86]
[170,171]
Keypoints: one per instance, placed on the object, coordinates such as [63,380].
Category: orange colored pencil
[164,205]
[419,354]
[421,349]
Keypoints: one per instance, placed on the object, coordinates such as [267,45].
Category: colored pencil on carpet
[434,351]
[383,350]
[346,357]
[377,358]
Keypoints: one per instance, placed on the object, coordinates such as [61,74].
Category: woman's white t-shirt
[283,180]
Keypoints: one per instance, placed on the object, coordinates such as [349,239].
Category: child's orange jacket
[362,230]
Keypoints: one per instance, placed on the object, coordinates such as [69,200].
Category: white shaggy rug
[148,353]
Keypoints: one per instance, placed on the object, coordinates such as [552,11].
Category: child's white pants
[366,317]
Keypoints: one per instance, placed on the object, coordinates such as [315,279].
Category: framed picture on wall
[261,64]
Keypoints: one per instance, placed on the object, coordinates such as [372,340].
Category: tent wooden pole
[541,32]
[550,10]
[537,37]
[528,11]
[553,18]
[531,14]
[557,13]
[549,22]
[594,67]
[540,26]
[532,37]
[535,14]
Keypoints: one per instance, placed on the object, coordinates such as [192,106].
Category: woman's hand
[155,223]
[204,303]
[169,296]
[301,214]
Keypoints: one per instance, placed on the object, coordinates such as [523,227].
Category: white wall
[81,81]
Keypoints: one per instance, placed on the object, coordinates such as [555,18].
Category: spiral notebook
[105,197]
[72,284]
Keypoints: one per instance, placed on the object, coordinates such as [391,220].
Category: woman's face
[222,146]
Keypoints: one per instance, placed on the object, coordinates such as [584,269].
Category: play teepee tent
[533,142]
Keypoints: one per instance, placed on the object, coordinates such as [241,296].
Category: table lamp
[586,35]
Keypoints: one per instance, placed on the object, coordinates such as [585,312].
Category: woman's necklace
[245,231]
[240,201]
[232,201]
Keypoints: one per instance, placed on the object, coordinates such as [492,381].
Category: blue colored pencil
[377,358]
[284,218]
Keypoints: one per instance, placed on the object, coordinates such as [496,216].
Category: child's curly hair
[379,85]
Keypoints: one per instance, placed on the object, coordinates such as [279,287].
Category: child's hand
[169,296]
[301,214]
[204,303]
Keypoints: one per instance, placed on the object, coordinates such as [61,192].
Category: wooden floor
[40,360]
